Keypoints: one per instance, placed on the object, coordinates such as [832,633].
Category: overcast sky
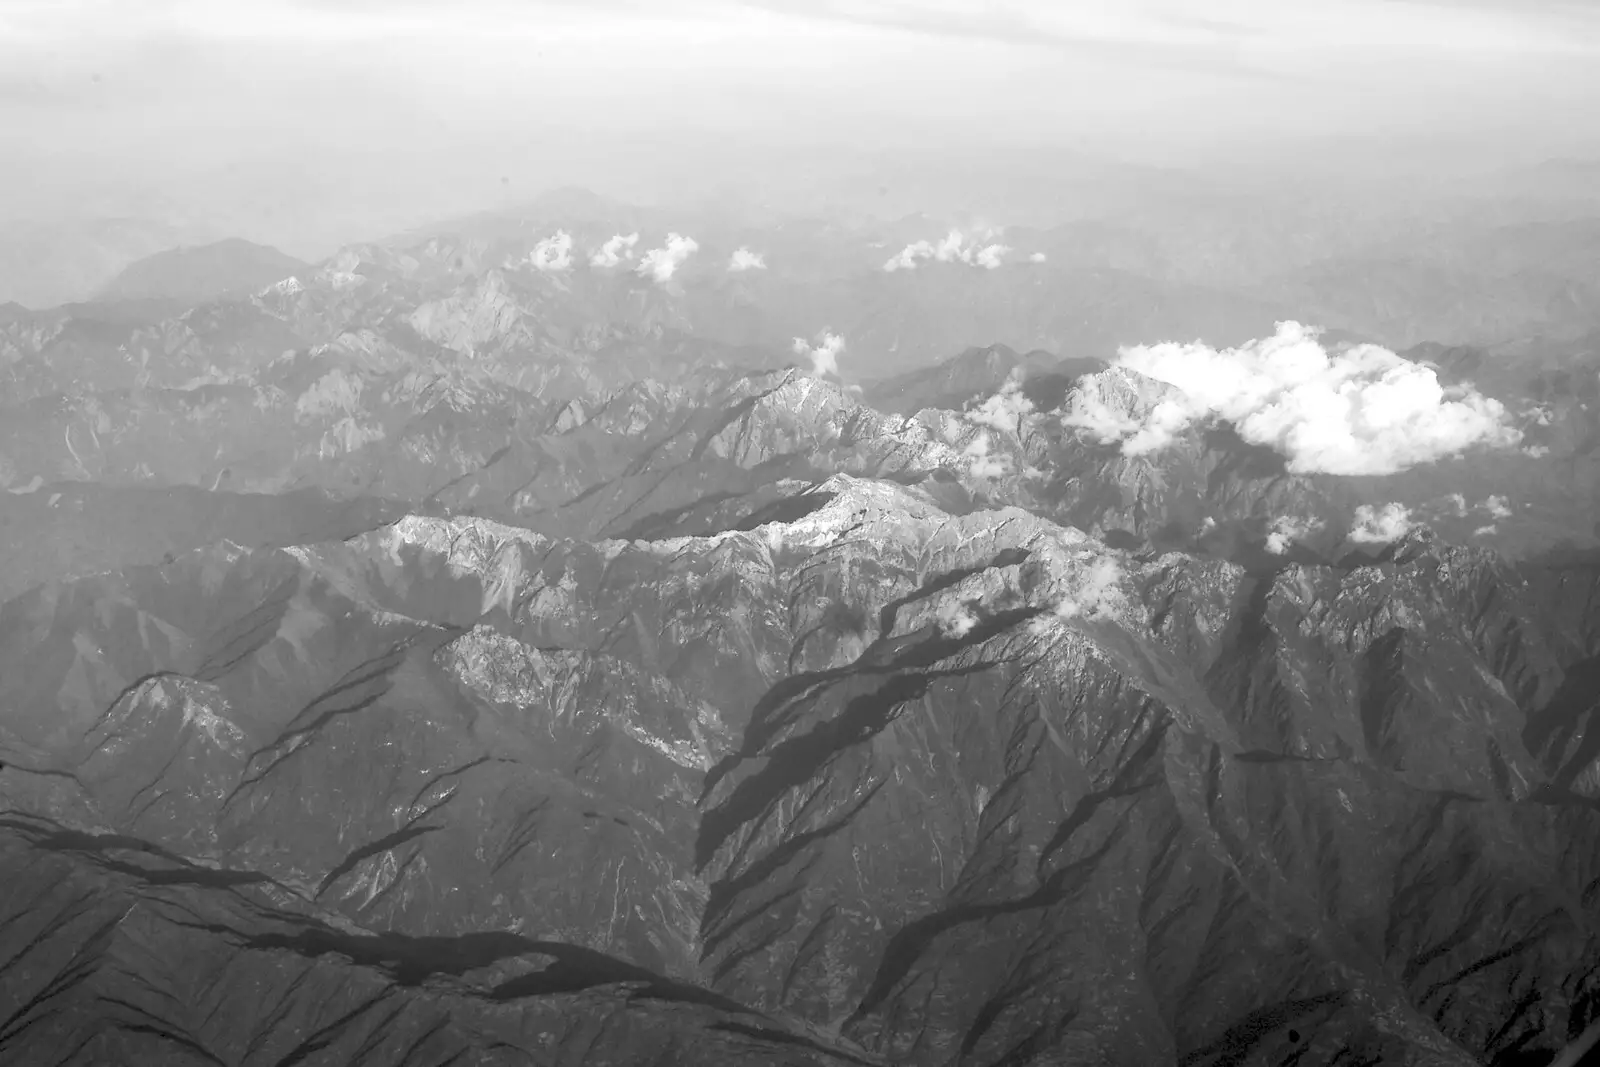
[366,106]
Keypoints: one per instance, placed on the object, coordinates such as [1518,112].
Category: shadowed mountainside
[820,766]
[429,658]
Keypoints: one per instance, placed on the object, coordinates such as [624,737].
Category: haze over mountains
[196,275]
[1483,259]
[775,635]
[888,534]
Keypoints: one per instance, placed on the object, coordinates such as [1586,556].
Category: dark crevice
[367,851]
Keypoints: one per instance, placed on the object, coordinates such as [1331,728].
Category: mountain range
[510,642]
[199,274]
[1458,259]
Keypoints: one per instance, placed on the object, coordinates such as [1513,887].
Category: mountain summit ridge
[1128,683]
[450,654]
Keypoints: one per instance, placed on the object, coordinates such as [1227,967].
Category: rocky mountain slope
[436,659]
[871,781]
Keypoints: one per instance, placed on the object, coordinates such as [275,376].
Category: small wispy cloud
[1174,35]
[1005,409]
[984,463]
[553,254]
[1380,525]
[907,257]
[952,248]
[662,263]
[743,259]
[1497,507]
[1287,529]
[956,618]
[990,256]
[614,251]
[1140,414]
[823,352]
[1096,590]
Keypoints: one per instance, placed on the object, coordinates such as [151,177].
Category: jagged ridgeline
[867,782]
[449,684]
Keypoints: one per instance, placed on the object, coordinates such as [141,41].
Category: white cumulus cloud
[1361,410]
[1498,507]
[907,257]
[743,259]
[1287,529]
[1004,410]
[983,463]
[952,248]
[1166,420]
[1096,592]
[1144,421]
[1378,525]
[614,251]
[956,618]
[1090,411]
[1038,257]
[823,352]
[662,263]
[554,253]
[989,257]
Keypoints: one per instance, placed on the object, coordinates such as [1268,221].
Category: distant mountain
[972,375]
[1459,285]
[194,275]
[479,291]
[44,263]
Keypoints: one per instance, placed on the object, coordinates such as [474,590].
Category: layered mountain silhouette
[427,657]
[199,273]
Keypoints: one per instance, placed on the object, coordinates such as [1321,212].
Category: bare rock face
[400,376]
[867,781]
[432,660]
